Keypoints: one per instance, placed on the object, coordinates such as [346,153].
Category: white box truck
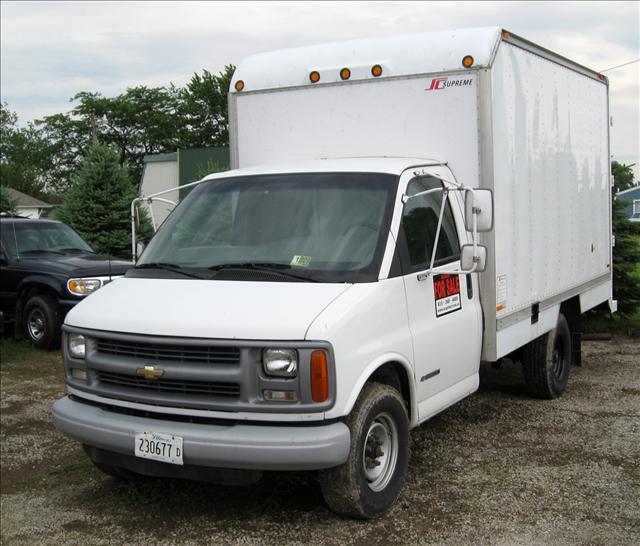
[399,210]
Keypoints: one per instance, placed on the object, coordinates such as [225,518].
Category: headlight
[76,345]
[83,287]
[280,362]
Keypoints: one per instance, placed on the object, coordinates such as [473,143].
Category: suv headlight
[83,287]
[77,345]
[280,362]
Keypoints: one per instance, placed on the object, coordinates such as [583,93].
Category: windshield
[45,237]
[329,227]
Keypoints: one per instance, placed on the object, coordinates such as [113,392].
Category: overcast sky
[52,50]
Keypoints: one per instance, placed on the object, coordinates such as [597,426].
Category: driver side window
[420,221]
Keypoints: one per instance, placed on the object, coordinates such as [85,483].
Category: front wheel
[546,362]
[367,485]
[41,322]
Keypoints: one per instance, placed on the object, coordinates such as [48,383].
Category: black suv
[45,269]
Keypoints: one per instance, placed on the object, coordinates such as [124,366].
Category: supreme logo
[444,83]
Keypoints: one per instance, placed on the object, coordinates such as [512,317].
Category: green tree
[203,109]
[622,176]
[8,204]
[25,155]
[97,202]
[626,260]
[67,136]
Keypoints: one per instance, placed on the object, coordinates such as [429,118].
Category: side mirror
[136,218]
[480,204]
[468,259]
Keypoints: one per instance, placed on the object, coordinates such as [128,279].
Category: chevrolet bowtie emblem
[150,372]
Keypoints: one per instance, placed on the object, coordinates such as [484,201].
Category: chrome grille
[170,386]
[206,354]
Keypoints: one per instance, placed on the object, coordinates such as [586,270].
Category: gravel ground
[497,468]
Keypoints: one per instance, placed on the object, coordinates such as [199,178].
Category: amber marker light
[314,76]
[376,70]
[467,61]
[319,376]
[505,35]
[345,74]
[239,85]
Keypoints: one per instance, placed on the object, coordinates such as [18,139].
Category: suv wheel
[41,323]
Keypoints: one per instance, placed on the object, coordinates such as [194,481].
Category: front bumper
[235,446]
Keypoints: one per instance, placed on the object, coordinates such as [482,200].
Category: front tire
[546,362]
[41,322]
[368,484]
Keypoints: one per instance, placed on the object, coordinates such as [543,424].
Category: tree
[97,202]
[67,137]
[203,109]
[25,155]
[626,257]
[8,204]
[622,176]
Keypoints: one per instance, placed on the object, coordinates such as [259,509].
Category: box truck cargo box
[521,121]
[398,210]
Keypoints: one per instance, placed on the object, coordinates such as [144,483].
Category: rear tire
[41,322]
[546,362]
[368,484]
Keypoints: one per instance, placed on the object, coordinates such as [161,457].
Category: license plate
[159,447]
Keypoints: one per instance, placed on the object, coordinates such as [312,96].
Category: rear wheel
[41,322]
[367,485]
[546,362]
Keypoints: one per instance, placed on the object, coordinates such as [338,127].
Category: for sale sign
[446,291]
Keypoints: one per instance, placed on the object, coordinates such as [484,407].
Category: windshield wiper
[268,267]
[174,268]
[41,250]
[76,250]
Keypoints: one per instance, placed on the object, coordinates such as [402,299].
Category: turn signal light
[239,85]
[314,76]
[376,70]
[467,61]
[319,376]
[345,74]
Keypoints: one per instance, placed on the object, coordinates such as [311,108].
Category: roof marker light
[376,70]
[505,35]
[345,74]
[314,76]
[239,85]
[467,61]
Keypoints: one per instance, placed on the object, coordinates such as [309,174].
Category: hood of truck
[205,309]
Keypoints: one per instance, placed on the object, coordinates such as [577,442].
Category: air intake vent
[175,353]
[169,386]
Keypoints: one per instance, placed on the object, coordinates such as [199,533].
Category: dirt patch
[497,468]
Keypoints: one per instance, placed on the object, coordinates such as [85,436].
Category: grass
[20,360]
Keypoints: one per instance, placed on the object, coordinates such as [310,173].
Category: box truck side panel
[551,185]
[408,117]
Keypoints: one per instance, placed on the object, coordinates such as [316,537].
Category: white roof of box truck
[422,53]
[388,165]
[411,54]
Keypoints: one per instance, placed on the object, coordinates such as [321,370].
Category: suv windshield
[328,227]
[45,237]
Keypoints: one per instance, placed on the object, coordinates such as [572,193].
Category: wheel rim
[380,453]
[558,359]
[36,324]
